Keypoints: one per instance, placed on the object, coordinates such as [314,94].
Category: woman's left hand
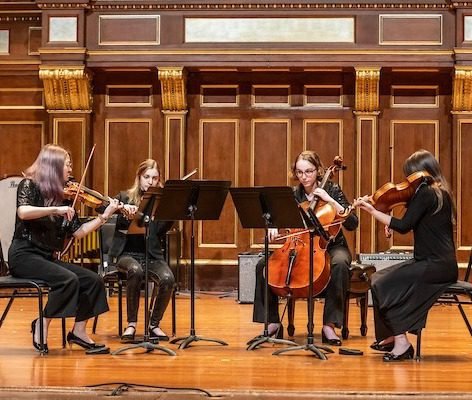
[112,208]
[323,195]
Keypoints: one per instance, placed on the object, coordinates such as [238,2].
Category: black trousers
[74,291]
[335,293]
[132,265]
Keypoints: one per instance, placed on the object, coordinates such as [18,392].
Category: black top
[433,232]
[124,243]
[334,190]
[47,233]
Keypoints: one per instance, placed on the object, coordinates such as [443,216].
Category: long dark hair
[423,160]
[47,172]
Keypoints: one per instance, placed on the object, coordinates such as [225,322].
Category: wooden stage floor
[231,371]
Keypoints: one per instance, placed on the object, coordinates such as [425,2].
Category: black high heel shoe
[407,355]
[129,337]
[386,348]
[331,342]
[37,346]
[153,337]
[73,339]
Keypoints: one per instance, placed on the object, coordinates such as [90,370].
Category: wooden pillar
[174,108]
[462,142]
[68,97]
[367,114]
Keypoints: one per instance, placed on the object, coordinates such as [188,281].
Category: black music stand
[267,207]
[150,203]
[194,200]
[315,229]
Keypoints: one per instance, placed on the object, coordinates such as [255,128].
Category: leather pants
[132,265]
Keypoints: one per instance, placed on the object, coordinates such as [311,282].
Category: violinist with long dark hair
[40,234]
[129,252]
[404,293]
[307,169]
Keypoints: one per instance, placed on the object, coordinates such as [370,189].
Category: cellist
[307,170]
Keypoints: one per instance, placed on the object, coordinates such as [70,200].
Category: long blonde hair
[47,172]
[134,192]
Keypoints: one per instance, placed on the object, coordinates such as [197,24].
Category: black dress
[74,291]
[403,293]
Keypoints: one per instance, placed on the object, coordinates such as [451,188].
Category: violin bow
[81,183]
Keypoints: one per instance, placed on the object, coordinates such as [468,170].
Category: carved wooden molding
[269,6]
[462,89]
[173,81]
[66,88]
[367,89]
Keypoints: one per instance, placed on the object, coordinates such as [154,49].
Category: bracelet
[102,218]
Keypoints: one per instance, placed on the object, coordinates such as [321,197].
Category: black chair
[115,280]
[13,288]
[454,295]
[359,286]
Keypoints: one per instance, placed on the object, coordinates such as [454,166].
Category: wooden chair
[115,280]
[13,288]
[454,295]
[358,289]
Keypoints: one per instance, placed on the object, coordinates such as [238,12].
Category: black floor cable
[124,386]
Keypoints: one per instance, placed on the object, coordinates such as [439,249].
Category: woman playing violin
[39,235]
[130,253]
[307,169]
[403,293]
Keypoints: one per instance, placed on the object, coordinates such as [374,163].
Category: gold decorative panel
[173,81]
[462,89]
[66,88]
[367,89]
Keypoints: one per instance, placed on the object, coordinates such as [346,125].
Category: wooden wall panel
[464,185]
[71,134]
[218,161]
[326,138]
[23,139]
[131,140]
[268,135]
[405,138]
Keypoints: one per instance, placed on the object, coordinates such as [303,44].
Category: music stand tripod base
[259,340]
[187,340]
[308,347]
[148,346]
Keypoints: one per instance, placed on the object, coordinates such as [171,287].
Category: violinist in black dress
[404,293]
[307,169]
[40,233]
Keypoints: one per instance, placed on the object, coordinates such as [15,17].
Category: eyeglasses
[308,172]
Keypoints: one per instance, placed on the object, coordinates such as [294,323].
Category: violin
[391,195]
[88,197]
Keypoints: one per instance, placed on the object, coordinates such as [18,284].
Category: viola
[391,195]
[289,265]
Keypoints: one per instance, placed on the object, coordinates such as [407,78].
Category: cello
[289,264]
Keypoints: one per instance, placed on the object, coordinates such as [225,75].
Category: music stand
[140,224]
[194,200]
[266,207]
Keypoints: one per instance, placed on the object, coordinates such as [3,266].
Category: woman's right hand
[66,211]
[130,210]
